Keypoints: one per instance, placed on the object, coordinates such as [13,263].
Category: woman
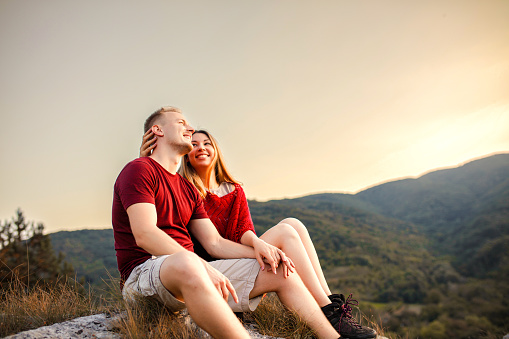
[226,205]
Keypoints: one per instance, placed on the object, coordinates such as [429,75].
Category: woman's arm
[206,233]
[244,232]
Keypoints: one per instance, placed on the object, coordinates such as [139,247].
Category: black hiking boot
[339,314]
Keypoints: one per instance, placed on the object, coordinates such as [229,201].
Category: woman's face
[202,155]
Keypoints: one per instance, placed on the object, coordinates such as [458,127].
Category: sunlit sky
[303,96]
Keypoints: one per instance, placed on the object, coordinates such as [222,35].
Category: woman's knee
[286,232]
[277,281]
[297,225]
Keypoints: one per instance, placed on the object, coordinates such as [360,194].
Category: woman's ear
[156,129]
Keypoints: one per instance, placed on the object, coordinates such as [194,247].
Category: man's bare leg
[294,295]
[184,275]
[288,240]
[310,250]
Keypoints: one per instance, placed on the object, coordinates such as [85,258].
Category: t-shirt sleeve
[199,211]
[136,183]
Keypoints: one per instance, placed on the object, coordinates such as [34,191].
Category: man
[154,212]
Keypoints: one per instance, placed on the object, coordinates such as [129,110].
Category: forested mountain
[464,211]
[442,201]
[91,252]
[440,241]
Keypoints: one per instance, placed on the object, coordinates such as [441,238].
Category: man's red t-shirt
[177,201]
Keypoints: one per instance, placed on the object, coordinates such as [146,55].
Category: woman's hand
[148,143]
[267,253]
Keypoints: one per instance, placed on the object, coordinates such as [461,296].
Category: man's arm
[143,220]
[218,247]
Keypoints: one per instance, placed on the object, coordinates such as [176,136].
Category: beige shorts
[144,280]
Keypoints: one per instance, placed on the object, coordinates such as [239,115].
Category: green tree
[435,330]
[26,254]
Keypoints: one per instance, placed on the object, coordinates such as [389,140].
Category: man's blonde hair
[154,117]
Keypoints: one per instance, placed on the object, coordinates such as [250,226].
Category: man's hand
[222,283]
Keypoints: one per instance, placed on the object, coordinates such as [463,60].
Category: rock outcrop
[98,326]
[94,326]
[101,326]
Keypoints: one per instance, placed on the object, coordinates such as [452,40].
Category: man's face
[177,131]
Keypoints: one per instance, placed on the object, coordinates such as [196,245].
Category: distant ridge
[442,198]
[437,169]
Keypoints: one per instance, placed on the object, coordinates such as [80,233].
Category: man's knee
[183,268]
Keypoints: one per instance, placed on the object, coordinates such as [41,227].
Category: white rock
[93,326]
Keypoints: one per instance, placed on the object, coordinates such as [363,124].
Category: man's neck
[169,160]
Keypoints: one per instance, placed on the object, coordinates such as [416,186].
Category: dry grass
[372,322]
[148,318]
[273,319]
[23,308]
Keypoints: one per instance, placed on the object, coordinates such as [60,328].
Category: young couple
[156,212]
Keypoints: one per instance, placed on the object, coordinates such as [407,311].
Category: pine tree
[26,254]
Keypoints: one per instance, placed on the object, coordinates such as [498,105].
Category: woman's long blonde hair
[222,173]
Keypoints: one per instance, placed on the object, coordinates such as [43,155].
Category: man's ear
[156,129]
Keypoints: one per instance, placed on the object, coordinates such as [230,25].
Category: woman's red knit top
[230,213]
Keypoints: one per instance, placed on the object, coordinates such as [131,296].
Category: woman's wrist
[249,239]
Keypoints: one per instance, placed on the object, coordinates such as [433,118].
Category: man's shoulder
[139,167]
[143,161]
[139,163]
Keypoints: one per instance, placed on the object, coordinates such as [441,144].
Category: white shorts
[144,280]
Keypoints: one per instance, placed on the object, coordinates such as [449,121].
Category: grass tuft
[23,308]
[148,318]
[273,319]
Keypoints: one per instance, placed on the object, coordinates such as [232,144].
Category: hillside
[376,257]
[439,242]
[91,252]
[464,211]
[442,200]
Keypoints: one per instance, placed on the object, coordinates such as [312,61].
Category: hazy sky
[303,96]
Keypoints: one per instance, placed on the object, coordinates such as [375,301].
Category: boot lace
[346,312]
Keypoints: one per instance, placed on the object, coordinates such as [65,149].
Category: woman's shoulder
[237,187]
[224,189]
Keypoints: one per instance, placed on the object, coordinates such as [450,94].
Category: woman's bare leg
[288,240]
[295,296]
[310,249]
